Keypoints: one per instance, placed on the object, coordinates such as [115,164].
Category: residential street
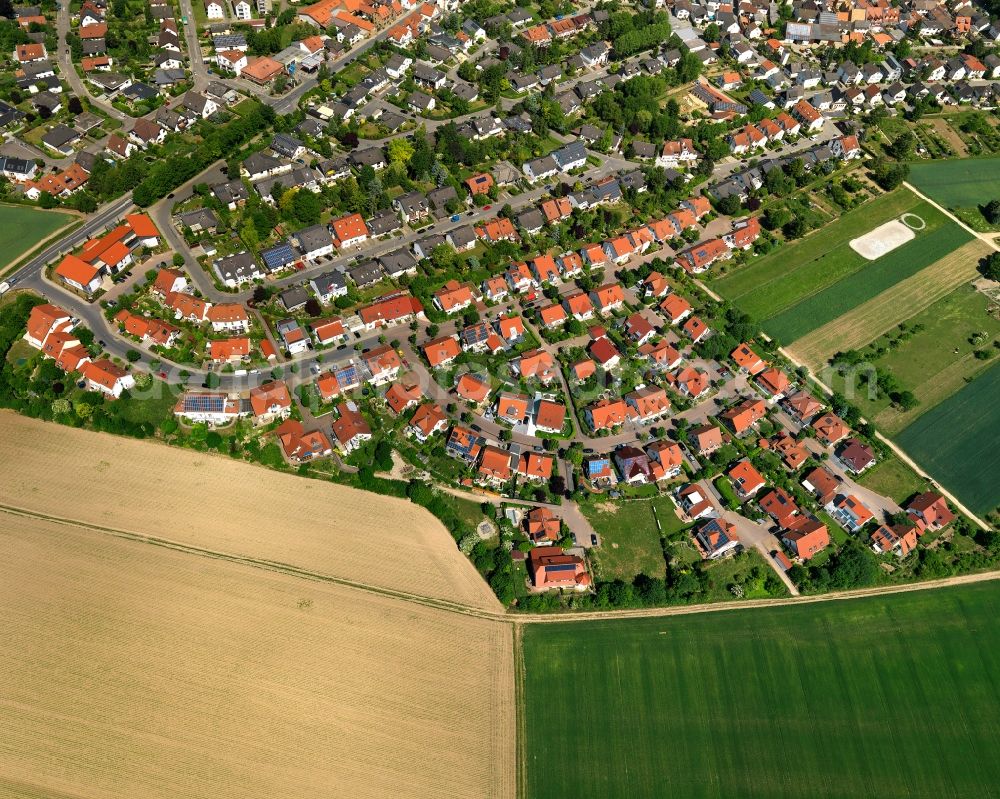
[68,70]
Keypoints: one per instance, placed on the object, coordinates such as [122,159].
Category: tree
[906,400]
[83,201]
[776,216]
[133,355]
[991,212]
[400,151]
[890,175]
[730,206]
[989,267]
[177,260]
[853,566]
[902,146]
[795,228]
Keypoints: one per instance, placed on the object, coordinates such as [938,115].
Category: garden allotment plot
[891,696]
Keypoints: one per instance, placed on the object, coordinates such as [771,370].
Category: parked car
[455,217]
[593,539]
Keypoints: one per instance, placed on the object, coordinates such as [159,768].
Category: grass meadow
[956,442]
[630,539]
[22,228]
[963,183]
[885,697]
[892,478]
[933,363]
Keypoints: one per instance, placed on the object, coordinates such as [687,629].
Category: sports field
[861,285]
[894,696]
[961,183]
[21,228]
[956,442]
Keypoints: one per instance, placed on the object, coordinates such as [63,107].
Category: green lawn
[893,696]
[630,540]
[892,478]
[864,283]
[469,512]
[956,442]
[21,228]
[152,405]
[933,363]
[960,183]
[797,269]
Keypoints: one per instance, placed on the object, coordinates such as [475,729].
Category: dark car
[593,539]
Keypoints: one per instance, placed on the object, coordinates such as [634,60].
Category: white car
[4,288]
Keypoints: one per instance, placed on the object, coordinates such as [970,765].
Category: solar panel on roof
[278,256]
[347,376]
[562,567]
[205,404]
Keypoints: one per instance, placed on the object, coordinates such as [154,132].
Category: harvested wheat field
[907,298]
[133,670]
[215,503]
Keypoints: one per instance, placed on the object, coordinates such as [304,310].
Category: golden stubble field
[134,670]
[215,503]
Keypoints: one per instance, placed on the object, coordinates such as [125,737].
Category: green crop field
[863,284]
[964,183]
[797,269]
[956,442]
[21,228]
[893,696]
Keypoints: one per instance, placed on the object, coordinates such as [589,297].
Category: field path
[505,672]
[744,604]
[985,237]
[871,319]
